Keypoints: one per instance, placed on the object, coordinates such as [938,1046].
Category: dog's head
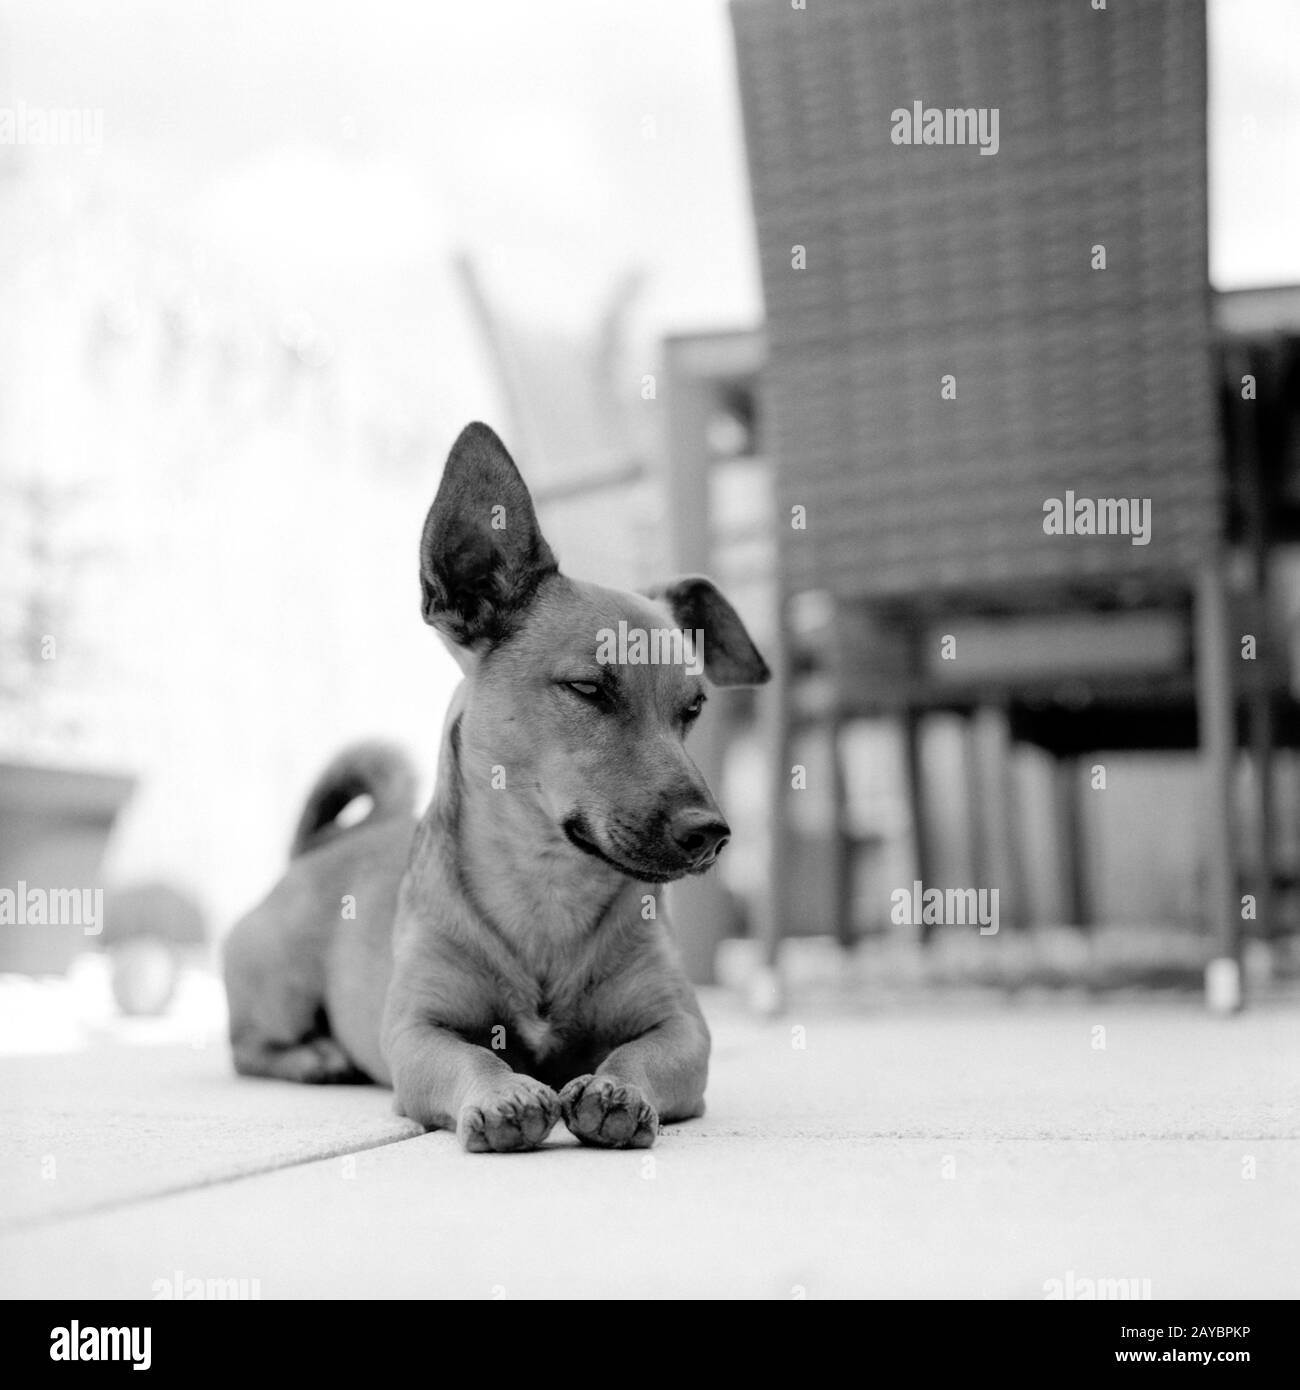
[580,698]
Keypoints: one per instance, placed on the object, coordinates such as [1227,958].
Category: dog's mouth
[578,834]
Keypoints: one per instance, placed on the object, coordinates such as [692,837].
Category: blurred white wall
[1254,142]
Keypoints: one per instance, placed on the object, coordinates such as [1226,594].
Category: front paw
[611,1113]
[516,1114]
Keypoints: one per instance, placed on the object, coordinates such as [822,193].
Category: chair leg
[841,868]
[916,797]
[1215,715]
[767,992]
[1070,830]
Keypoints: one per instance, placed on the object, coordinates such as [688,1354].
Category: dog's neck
[518,869]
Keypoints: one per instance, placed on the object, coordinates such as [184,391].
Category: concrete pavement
[973,1152]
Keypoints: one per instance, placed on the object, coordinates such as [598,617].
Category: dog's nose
[700,834]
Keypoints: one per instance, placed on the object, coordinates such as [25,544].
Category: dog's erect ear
[730,656]
[482,554]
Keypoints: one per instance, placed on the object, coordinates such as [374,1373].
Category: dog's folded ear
[482,554]
[730,656]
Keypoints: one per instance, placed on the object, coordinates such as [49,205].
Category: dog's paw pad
[518,1115]
[610,1113]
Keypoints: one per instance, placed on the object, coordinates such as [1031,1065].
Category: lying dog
[506,961]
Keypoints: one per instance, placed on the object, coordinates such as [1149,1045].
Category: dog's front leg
[444,1082]
[659,1076]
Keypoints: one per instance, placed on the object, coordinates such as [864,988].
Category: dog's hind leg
[320,1061]
[278,1023]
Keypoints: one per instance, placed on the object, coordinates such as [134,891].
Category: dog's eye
[589,690]
[693,709]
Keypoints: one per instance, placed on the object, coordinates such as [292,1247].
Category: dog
[505,961]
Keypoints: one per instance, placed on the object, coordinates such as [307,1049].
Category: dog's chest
[545,1012]
[539,1034]
[551,1039]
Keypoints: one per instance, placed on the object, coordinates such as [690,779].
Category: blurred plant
[149,932]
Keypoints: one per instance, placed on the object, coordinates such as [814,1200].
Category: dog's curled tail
[378,770]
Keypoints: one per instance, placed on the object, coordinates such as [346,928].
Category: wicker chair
[926,262]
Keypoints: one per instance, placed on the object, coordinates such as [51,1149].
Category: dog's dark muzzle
[690,844]
[699,837]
